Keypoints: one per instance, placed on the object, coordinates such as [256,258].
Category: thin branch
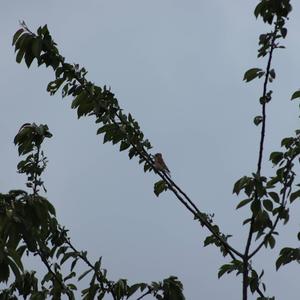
[263,128]
[282,203]
[171,183]
[259,163]
[195,211]
[60,282]
[100,276]
[260,293]
[37,159]
[144,295]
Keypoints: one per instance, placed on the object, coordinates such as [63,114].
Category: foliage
[28,223]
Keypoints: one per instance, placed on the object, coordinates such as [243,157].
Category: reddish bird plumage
[159,163]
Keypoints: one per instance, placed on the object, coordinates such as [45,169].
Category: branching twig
[259,163]
[282,203]
[144,295]
[60,282]
[100,276]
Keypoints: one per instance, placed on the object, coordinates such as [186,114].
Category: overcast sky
[177,66]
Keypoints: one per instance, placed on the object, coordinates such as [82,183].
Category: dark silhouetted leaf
[295,95]
[253,73]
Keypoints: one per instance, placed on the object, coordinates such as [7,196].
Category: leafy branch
[30,218]
[117,127]
[41,228]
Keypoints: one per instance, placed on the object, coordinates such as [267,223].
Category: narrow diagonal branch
[193,208]
[144,295]
[60,282]
[100,276]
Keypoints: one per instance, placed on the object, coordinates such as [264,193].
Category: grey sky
[177,66]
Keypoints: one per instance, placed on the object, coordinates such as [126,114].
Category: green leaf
[14,268]
[84,108]
[287,255]
[22,41]
[28,58]
[240,184]
[73,264]
[102,129]
[147,167]
[258,9]
[71,275]
[67,256]
[93,290]
[253,281]
[224,269]
[253,73]
[43,30]
[132,152]
[255,206]
[247,221]
[50,207]
[159,187]
[243,202]
[274,196]
[287,142]
[268,204]
[16,258]
[73,287]
[124,145]
[294,196]
[295,95]
[37,47]
[4,271]
[271,183]
[257,120]
[47,277]
[61,250]
[20,55]
[210,240]
[235,265]
[64,91]
[17,35]
[283,31]
[279,262]
[59,71]
[84,274]
[272,73]
[134,288]
[78,100]
[271,241]
[276,157]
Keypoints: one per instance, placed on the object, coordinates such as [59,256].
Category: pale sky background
[177,66]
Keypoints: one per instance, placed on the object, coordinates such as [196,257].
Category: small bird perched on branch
[159,163]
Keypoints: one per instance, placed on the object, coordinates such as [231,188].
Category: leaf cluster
[88,98]
[268,198]
[28,225]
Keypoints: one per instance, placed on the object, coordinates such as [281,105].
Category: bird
[159,163]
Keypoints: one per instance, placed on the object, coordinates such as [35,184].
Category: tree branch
[259,164]
[60,282]
[282,203]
